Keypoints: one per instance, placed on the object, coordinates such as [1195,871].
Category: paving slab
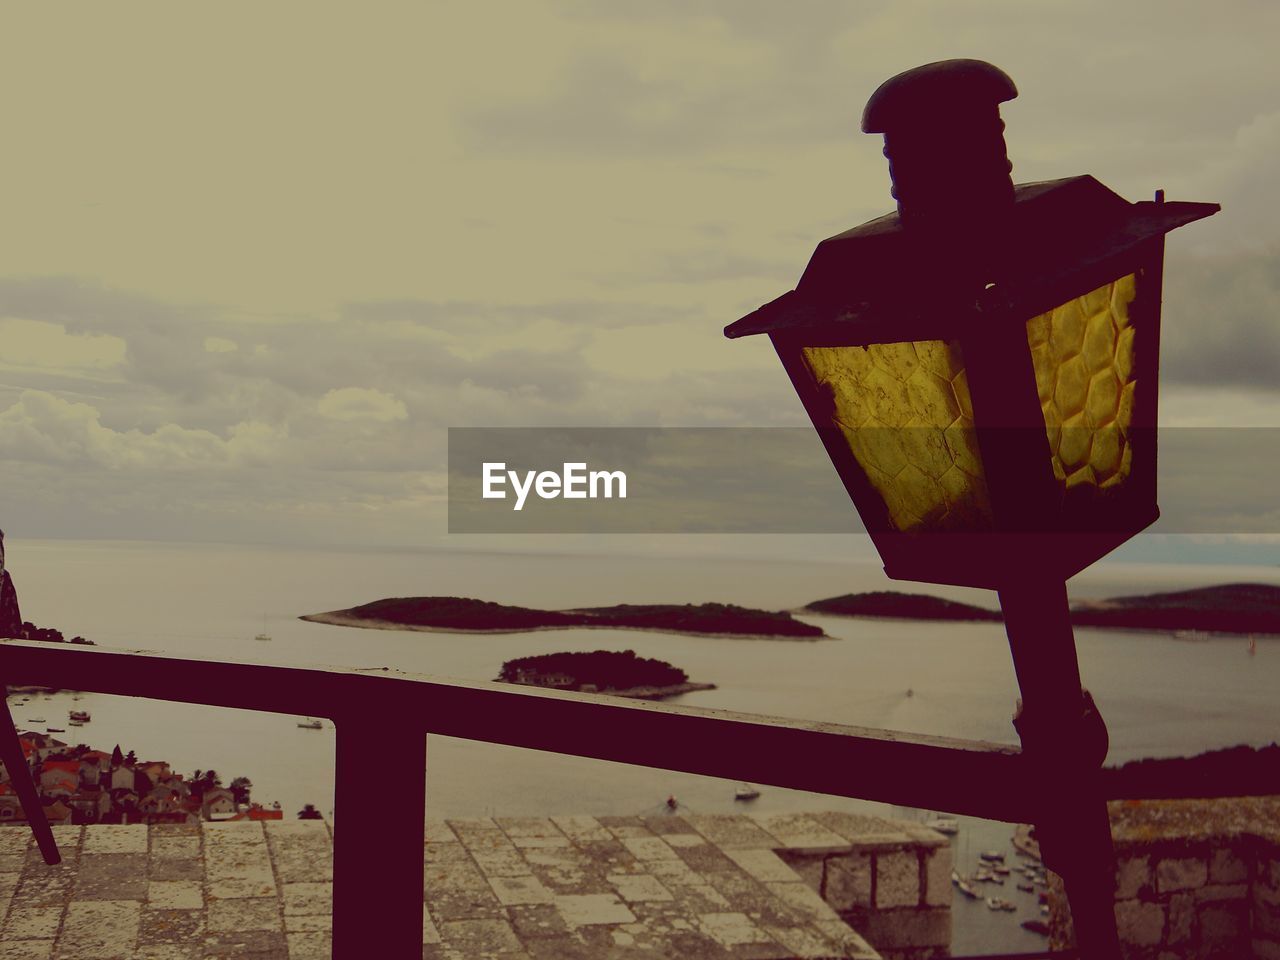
[574,886]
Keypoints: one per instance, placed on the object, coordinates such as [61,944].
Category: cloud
[48,347]
[1220,320]
[43,428]
[487,318]
[361,403]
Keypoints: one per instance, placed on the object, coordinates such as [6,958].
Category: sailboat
[263,635]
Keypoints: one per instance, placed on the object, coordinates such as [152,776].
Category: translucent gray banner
[780,480]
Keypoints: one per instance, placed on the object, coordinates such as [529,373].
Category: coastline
[344,618]
[1165,632]
[642,693]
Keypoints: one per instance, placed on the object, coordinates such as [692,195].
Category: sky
[255,259]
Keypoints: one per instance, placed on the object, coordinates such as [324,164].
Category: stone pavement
[568,888]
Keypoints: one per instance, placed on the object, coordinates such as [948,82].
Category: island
[1228,608]
[1234,771]
[899,606]
[1233,608]
[617,672]
[466,615]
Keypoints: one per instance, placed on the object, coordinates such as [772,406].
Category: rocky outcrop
[10,615]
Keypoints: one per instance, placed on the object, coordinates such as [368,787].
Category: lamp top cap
[935,89]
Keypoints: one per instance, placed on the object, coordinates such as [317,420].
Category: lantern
[982,365]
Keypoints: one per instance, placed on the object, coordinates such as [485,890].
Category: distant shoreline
[347,618]
[654,693]
[1209,613]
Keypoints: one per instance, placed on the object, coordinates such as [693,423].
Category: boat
[35,719]
[1027,887]
[745,791]
[55,729]
[262,636]
[999,903]
[1191,635]
[963,885]
[310,723]
[992,856]
[947,825]
[1036,926]
[79,716]
[672,802]
[1001,869]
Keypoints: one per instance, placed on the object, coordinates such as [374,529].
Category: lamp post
[981,367]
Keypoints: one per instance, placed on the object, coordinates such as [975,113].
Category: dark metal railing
[378,876]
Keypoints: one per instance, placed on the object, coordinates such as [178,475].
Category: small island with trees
[617,672]
[465,615]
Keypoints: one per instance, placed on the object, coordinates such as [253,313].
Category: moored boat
[963,885]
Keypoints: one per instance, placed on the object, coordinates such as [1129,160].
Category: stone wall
[891,882]
[1195,879]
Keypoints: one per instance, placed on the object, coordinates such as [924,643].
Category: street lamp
[982,367]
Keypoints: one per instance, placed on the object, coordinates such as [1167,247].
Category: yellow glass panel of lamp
[904,410]
[1083,357]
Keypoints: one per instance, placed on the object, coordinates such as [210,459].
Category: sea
[1161,695]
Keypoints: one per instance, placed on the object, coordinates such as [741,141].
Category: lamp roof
[1061,233]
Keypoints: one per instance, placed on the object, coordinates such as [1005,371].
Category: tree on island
[309,812]
[240,788]
[202,781]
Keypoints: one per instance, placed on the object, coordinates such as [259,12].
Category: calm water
[1160,696]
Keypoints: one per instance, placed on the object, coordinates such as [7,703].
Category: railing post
[15,764]
[378,838]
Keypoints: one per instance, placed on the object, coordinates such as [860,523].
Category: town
[78,784]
